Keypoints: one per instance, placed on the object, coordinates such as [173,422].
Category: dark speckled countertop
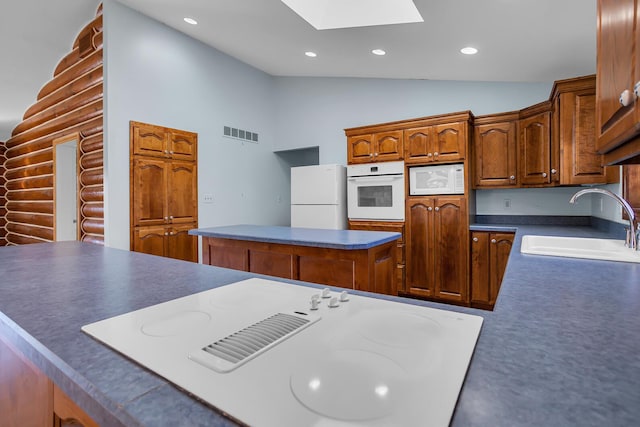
[336,239]
[561,348]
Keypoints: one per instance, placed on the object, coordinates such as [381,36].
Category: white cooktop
[365,362]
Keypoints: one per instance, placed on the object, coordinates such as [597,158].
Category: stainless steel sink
[579,247]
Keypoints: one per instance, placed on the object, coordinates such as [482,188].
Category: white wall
[5,135]
[157,75]
[315,111]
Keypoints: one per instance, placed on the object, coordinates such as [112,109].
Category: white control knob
[344,296]
[314,303]
[626,98]
[326,293]
[333,302]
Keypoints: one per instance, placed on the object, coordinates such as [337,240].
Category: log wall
[3,200]
[71,103]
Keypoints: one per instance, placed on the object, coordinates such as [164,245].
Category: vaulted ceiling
[518,40]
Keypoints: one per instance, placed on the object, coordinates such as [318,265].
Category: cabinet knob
[166,234]
[636,89]
[170,152]
[626,98]
[166,218]
[475,239]
[429,155]
[544,174]
[493,240]
[429,208]
[437,208]
[371,155]
[171,233]
[435,154]
[554,171]
[375,154]
[512,178]
[171,217]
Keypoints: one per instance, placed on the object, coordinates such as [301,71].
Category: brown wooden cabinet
[375,147]
[437,248]
[534,138]
[372,270]
[618,72]
[394,227]
[157,141]
[445,142]
[29,398]
[495,146]
[164,195]
[574,134]
[489,255]
[631,187]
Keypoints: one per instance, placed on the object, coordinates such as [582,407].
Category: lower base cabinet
[438,249]
[29,398]
[371,270]
[489,255]
[171,241]
[394,227]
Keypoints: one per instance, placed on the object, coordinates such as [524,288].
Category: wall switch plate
[207,198]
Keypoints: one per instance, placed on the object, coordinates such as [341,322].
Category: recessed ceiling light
[469,50]
[379,52]
[328,14]
[191,21]
[311,54]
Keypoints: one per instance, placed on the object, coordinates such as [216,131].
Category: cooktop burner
[258,351]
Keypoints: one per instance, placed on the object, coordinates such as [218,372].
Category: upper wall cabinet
[534,139]
[495,147]
[375,147]
[437,143]
[157,141]
[574,133]
[618,85]
[442,138]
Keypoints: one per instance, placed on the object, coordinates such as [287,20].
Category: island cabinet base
[371,270]
[29,398]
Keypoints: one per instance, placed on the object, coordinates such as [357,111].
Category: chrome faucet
[633,234]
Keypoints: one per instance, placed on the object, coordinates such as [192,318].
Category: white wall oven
[375,191]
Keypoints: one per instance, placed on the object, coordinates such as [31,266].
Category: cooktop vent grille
[239,347]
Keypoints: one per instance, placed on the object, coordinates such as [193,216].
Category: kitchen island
[560,348]
[362,260]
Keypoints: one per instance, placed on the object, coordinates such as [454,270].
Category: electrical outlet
[207,198]
[601,204]
[278,199]
[507,203]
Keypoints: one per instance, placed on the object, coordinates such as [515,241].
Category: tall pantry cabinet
[164,196]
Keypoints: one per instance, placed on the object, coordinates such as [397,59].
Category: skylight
[331,14]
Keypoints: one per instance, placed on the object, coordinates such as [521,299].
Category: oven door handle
[375,178]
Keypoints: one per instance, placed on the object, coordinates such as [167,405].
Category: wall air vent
[228,353]
[241,134]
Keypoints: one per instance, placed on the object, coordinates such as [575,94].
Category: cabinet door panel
[499,255]
[495,154]
[149,192]
[388,146]
[180,245]
[271,263]
[183,145]
[150,240]
[148,140]
[450,142]
[328,271]
[535,147]
[183,198]
[420,256]
[26,394]
[417,145]
[480,289]
[360,149]
[615,67]
[450,233]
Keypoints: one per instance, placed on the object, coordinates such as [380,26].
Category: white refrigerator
[319,197]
